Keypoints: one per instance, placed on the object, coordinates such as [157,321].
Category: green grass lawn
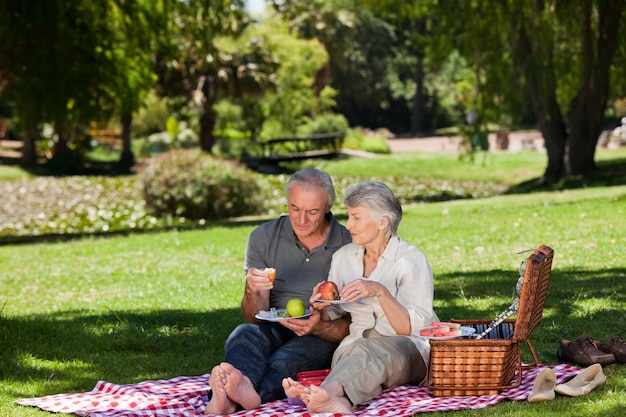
[158,305]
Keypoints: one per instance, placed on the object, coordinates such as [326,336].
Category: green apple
[295,307]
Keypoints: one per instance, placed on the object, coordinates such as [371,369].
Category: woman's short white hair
[379,200]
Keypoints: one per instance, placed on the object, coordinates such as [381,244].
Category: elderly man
[299,247]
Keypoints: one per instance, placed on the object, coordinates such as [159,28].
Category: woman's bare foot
[239,388]
[294,389]
[322,401]
[219,402]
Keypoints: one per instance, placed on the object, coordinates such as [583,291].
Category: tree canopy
[557,56]
[406,66]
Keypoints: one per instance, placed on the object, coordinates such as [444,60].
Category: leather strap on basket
[510,310]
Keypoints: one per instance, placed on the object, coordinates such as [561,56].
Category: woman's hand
[317,296]
[395,312]
[361,288]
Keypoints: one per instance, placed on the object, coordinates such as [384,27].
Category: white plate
[321,300]
[279,315]
[467,331]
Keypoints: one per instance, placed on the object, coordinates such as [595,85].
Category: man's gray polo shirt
[274,244]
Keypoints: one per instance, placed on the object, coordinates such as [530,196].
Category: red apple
[328,290]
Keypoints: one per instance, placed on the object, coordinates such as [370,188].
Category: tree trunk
[586,113]
[417,119]
[571,153]
[60,146]
[127,158]
[555,139]
[417,122]
[537,67]
[322,78]
[554,134]
[29,149]
[207,115]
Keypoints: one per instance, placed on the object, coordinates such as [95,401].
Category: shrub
[358,139]
[326,123]
[189,183]
[67,162]
[152,118]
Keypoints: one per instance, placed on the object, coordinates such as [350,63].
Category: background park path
[527,139]
[518,140]
[10,151]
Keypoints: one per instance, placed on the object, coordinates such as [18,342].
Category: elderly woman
[387,288]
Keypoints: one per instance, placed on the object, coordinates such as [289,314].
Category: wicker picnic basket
[485,366]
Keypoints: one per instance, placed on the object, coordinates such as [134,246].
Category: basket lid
[534,292]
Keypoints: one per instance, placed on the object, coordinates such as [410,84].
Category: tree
[72,63]
[193,66]
[51,54]
[138,25]
[299,93]
[413,25]
[366,58]
[560,52]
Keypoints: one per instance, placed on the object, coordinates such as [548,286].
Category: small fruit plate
[321,300]
[279,315]
[466,332]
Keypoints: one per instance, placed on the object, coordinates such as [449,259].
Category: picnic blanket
[186,396]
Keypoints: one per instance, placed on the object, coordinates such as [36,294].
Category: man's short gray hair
[314,179]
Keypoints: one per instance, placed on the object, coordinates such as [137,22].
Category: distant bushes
[326,123]
[374,143]
[195,185]
[165,194]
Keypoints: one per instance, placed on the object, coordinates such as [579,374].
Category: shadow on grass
[609,173]
[72,350]
[87,167]
[579,302]
[64,237]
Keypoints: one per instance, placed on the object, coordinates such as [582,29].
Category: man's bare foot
[322,401]
[219,402]
[294,389]
[239,388]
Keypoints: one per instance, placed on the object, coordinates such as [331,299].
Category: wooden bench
[11,151]
[302,147]
[296,148]
[110,139]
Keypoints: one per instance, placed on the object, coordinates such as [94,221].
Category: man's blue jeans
[268,352]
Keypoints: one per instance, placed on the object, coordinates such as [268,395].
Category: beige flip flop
[543,389]
[584,382]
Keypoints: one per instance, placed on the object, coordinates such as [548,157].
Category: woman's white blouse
[404,270]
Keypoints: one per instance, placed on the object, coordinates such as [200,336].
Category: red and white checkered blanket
[187,397]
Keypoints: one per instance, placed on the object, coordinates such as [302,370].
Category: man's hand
[258,280]
[304,326]
[317,325]
[256,295]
